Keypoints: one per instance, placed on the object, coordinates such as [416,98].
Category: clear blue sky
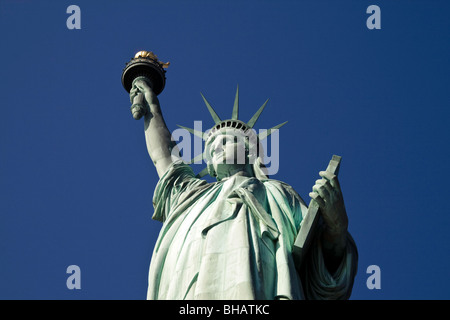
[76,182]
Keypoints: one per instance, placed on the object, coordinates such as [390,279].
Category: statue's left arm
[332,260]
[328,195]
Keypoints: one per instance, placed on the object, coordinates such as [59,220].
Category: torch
[144,65]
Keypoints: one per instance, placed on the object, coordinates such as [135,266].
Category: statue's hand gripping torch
[146,66]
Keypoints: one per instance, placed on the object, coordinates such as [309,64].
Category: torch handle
[138,107]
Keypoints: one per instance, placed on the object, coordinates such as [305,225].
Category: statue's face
[228,152]
[228,149]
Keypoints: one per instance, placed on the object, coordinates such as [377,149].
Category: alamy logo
[74,20]
[196,152]
[74,280]
[374,20]
[374,280]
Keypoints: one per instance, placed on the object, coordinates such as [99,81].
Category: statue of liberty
[234,238]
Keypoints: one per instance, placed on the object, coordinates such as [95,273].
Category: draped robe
[233,239]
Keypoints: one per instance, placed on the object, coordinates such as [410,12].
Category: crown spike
[195,132]
[255,117]
[235,114]
[267,133]
[211,111]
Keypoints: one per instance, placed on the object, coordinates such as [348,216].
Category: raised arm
[161,148]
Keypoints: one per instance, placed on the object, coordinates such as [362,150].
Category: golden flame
[151,55]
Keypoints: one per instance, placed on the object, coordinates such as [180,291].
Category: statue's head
[232,145]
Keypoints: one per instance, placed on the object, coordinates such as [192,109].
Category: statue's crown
[233,123]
